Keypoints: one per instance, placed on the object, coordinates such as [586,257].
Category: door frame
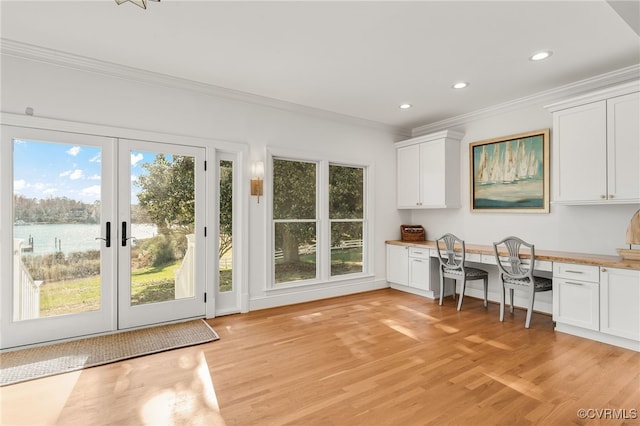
[239,149]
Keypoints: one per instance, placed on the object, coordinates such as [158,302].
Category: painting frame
[510,173]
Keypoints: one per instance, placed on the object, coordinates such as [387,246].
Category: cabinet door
[576,303]
[397,264]
[623,148]
[579,153]
[408,177]
[419,273]
[620,302]
[432,162]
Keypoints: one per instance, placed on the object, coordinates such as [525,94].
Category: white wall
[66,93]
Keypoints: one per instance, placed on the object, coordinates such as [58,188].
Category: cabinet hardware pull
[574,272]
[573,282]
[611,196]
[603,196]
[604,269]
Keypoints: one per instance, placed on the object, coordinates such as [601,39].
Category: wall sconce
[257,173]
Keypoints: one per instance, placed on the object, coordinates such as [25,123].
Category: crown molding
[582,87]
[31,52]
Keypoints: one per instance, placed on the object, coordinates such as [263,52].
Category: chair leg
[511,300]
[441,287]
[502,301]
[486,291]
[530,309]
[464,284]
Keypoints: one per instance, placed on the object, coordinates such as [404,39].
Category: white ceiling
[358,58]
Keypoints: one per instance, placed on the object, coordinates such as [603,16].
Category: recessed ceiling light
[539,56]
[460,85]
[405,106]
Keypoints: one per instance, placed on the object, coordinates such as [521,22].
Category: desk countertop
[551,255]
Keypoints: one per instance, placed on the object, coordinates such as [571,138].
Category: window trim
[323,257]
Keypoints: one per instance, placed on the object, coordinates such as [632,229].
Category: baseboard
[598,336]
[301,295]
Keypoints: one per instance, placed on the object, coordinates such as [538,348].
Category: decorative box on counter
[413,233]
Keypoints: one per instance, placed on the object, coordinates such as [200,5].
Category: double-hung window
[318,220]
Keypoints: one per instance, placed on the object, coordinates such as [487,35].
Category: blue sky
[48,170]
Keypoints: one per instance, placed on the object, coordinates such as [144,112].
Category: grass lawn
[148,285]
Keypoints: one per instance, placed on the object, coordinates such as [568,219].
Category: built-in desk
[487,255]
[594,296]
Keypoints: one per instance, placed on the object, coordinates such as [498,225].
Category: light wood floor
[377,358]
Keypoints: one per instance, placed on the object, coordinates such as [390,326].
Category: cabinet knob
[611,196]
[603,197]
[604,269]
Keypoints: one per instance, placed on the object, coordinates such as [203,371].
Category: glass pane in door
[225,252]
[56,229]
[162,227]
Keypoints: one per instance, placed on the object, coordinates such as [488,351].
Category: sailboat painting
[511,173]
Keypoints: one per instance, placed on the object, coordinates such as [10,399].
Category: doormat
[42,361]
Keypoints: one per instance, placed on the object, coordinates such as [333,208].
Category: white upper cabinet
[623,147]
[596,147]
[428,171]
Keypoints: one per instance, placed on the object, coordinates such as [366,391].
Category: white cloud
[94,177]
[74,151]
[50,191]
[77,174]
[136,158]
[97,158]
[19,185]
[73,174]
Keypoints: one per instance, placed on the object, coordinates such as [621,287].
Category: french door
[97,234]
[161,243]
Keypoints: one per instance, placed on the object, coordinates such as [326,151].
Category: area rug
[33,363]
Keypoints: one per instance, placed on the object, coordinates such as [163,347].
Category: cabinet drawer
[420,252]
[574,271]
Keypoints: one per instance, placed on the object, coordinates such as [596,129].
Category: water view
[70,238]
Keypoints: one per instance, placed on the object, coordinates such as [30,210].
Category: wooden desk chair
[452,265]
[516,272]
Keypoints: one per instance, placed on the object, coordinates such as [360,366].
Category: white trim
[598,336]
[549,96]
[600,95]
[307,294]
[36,53]
[116,132]
[323,267]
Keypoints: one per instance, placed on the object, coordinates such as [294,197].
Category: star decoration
[141,3]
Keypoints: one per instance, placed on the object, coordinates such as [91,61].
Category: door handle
[124,235]
[107,238]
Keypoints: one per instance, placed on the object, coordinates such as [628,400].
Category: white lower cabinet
[602,304]
[419,268]
[620,302]
[576,303]
[409,269]
[397,264]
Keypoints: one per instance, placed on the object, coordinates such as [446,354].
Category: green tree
[346,201]
[167,197]
[294,198]
[226,207]
[167,193]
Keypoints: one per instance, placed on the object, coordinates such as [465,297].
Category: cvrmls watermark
[608,413]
